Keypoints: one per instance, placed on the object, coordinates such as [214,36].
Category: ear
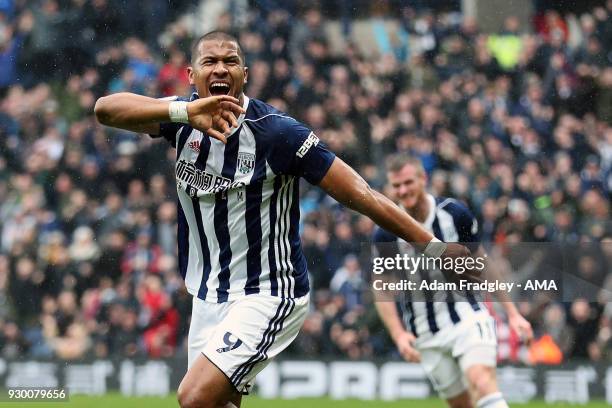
[191,74]
[246,74]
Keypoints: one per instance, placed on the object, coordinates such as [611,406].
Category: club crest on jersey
[194,145]
[246,162]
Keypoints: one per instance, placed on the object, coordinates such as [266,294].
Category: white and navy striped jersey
[450,221]
[238,209]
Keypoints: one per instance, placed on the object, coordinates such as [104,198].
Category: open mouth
[219,88]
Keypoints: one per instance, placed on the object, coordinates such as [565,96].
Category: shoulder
[465,222]
[454,207]
[263,117]
[381,235]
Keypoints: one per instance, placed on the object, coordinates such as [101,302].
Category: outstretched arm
[139,113]
[350,189]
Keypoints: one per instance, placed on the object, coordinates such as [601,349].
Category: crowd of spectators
[517,124]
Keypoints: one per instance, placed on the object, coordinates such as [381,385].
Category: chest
[207,166]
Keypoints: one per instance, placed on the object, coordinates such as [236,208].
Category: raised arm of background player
[212,115]
[350,189]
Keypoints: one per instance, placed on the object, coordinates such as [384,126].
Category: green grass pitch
[118,401]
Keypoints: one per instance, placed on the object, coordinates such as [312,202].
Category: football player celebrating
[238,216]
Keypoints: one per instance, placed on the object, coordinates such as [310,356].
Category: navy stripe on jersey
[182,239]
[252,216]
[283,239]
[408,310]
[450,303]
[429,306]
[200,163]
[298,259]
[472,300]
[205,251]
[266,341]
[279,243]
[220,218]
[272,237]
[452,310]
[182,139]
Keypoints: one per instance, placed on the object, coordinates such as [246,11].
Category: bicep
[344,184]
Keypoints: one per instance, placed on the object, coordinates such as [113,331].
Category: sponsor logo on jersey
[195,180]
[311,140]
[195,145]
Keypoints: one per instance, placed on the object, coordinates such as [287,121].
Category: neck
[421,210]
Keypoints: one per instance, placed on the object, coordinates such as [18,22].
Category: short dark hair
[216,35]
[397,162]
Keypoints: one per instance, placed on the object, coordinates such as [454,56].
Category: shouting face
[218,68]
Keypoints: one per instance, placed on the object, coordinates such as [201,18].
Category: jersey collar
[245,105]
[431,215]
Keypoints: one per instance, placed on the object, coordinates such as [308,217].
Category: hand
[456,250]
[214,115]
[405,345]
[521,326]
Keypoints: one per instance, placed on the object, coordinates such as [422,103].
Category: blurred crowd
[517,124]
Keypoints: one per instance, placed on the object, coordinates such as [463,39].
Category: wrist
[395,334]
[177,112]
[435,248]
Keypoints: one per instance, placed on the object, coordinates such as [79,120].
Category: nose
[220,68]
[402,190]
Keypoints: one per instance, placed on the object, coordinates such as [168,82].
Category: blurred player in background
[238,238]
[454,340]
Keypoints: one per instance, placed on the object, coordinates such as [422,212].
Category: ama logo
[231,342]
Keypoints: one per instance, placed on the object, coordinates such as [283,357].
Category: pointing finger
[233,107]
[230,118]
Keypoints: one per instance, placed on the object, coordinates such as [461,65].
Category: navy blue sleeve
[298,151]
[385,243]
[168,131]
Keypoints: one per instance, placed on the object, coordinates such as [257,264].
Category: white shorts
[451,351]
[241,336]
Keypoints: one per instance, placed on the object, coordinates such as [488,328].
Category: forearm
[389,216]
[127,111]
[390,317]
[350,189]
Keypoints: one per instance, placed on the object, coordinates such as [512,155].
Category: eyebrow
[224,58]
